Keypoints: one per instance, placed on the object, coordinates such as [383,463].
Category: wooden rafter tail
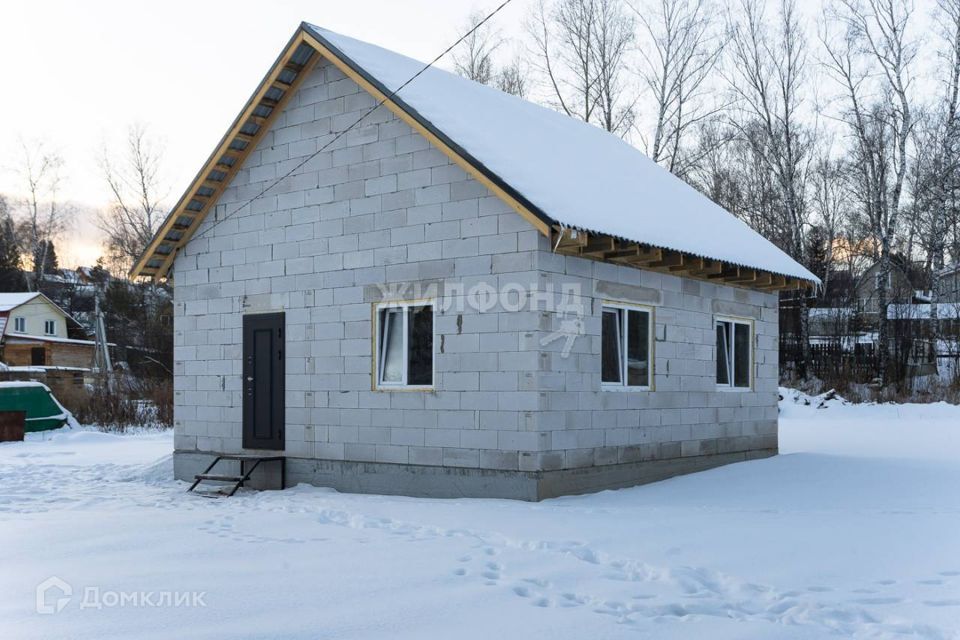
[763,279]
[777,283]
[633,254]
[647,255]
[598,247]
[710,267]
[667,259]
[746,275]
[239,156]
[568,240]
[689,265]
[725,274]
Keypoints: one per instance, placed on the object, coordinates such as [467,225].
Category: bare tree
[43,216]
[680,53]
[11,277]
[614,35]
[581,49]
[873,60]
[133,177]
[512,77]
[831,204]
[944,161]
[474,58]
[767,76]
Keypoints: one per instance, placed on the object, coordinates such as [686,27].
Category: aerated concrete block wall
[383,214]
[685,416]
[380,207]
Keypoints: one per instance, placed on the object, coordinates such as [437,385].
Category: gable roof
[561,174]
[10,301]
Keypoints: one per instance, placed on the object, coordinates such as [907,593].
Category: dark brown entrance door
[263,381]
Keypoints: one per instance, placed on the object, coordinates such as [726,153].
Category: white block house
[450,291]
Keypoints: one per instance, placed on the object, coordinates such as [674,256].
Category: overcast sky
[77,73]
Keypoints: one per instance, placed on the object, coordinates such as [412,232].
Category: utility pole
[101,356]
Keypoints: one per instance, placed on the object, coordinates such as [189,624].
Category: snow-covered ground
[853,532]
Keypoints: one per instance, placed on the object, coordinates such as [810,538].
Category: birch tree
[513,77]
[43,215]
[133,177]
[581,51]
[873,60]
[944,170]
[679,54]
[831,205]
[474,58]
[768,75]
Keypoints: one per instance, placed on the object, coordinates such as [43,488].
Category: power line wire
[362,117]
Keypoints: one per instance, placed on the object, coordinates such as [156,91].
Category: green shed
[43,410]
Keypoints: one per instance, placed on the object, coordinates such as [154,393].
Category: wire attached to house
[356,122]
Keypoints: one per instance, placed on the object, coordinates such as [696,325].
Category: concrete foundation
[461,482]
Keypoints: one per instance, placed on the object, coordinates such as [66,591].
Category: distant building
[904,286]
[36,332]
[950,283]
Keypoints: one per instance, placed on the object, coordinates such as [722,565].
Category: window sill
[390,389]
[621,388]
[727,389]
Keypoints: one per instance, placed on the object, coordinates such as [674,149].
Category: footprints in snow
[225,529]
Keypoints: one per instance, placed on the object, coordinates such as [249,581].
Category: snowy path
[854,532]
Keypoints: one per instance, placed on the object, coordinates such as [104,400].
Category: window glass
[405,349]
[420,346]
[20,324]
[638,348]
[391,346]
[734,358]
[723,353]
[610,368]
[741,349]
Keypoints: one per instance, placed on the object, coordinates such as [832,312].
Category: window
[405,346]
[878,280]
[625,347]
[20,325]
[50,327]
[734,357]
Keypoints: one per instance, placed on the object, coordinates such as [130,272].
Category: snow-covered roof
[10,301]
[950,269]
[574,173]
[24,337]
[830,312]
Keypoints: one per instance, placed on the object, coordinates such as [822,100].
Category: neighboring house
[36,332]
[914,331]
[465,294]
[903,287]
[950,283]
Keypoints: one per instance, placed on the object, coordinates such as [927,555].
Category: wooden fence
[832,361]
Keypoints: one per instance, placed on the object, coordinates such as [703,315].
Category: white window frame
[877,280]
[731,360]
[19,324]
[378,361]
[622,332]
[52,324]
